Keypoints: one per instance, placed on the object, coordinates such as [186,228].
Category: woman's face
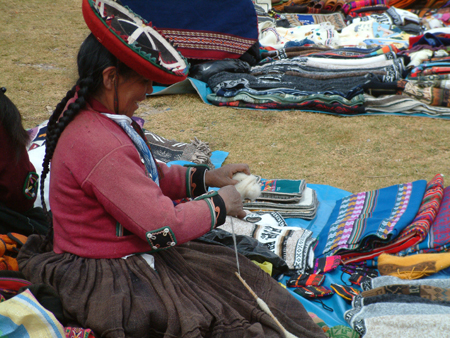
[131,91]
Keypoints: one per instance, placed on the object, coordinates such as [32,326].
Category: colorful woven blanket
[379,214]
[438,238]
[412,234]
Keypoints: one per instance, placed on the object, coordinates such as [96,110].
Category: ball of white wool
[248,186]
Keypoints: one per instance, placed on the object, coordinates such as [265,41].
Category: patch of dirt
[40,66]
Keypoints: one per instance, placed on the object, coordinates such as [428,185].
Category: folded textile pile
[289,198]
[414,233]
[438,237]
[383,28]
[428,80]
[336,19]
[279,89]
[340,58]
[401,104]
[360,220]
[330,80]
[392,307]
[404,20]
[292,51]
[289,207]
[424,88]
[382,281]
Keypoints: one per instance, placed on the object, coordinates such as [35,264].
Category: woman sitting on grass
[123,257]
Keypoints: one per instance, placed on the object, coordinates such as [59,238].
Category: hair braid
[58,124]
[59,109]
[93,58]
[49,144]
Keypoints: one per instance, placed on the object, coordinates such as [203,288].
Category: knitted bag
[313,292]
[345,292]
[305,280]
[326,264]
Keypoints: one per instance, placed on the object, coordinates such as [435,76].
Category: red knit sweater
[98,188]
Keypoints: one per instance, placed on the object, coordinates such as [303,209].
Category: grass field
[37,66]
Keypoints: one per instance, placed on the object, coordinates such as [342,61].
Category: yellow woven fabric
[413,266]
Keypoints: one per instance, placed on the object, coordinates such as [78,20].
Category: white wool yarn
[248,186]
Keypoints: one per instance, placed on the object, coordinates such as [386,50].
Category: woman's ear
[109,77]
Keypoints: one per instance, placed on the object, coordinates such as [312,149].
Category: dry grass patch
[38,65]
[354,154]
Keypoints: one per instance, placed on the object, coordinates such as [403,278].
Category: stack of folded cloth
[394,307]
[290,198]
[428,81]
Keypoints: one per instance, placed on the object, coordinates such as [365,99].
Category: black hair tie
[3,90]
[325,307]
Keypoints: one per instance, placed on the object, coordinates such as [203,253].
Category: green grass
[38,65]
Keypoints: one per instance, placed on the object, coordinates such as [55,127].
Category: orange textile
[10,245]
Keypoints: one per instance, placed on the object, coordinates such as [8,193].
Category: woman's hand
[233,201]
[223,178]
[224,175]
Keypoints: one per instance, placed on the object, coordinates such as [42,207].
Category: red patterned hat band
[134,41]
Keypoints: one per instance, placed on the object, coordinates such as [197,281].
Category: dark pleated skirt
[192,293]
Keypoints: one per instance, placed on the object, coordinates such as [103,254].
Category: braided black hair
[11,121]
[93,58]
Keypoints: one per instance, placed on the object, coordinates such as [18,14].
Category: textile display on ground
[292,249]
[365,57]
[291,225]
[355,58]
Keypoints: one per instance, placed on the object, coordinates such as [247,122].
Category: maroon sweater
[15,173]
[99,189]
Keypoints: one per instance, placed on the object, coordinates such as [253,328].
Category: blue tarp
[328,196]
